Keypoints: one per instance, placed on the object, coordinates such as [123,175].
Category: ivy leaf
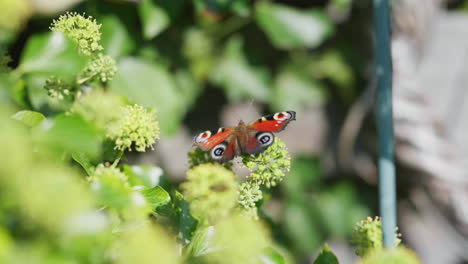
[293,91]
[272,256]
[301,227]
[52,53]
[326,256]
[84,161]
[115,37]
[239,79]
[202,243]
[154,19]
[291,28]
[340,209]
[150,85]
[177,215]
[148,176]
[29,118]
[156,196]
[69,134]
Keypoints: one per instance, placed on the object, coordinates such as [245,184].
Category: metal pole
[387,181]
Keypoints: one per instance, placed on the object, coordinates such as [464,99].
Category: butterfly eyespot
[265,139]
[218,151]
[203,136]
[282,116]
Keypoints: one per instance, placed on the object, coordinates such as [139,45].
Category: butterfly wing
[222,143]
[273,123]
[259,134]
[226,150]
[210,138]
[256,142]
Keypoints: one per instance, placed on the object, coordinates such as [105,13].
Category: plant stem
[116,162]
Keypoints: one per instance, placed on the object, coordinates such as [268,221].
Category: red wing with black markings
[273,123]
[222,143]
[210,138]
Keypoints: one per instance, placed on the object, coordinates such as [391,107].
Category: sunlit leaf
[156,196]
[294,91]
[52,53]
[239,79]
[29,118]
[288,27]
[154,19]
[69,134]
[272,256]
[150,85]
[116,40]
[148,176]
[84,161]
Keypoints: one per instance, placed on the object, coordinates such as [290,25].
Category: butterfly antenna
[250,104]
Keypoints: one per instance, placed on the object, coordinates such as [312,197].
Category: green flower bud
[238,239]
[399,255]
[102,171]
[102,68]
[136,127]
[248,194]
[144,243]
[211,191]
[84,31]
[58,88]
[270,166]
[367,236]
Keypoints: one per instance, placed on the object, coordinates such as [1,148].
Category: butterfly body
[252,138]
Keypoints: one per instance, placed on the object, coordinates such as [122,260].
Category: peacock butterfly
[254,138]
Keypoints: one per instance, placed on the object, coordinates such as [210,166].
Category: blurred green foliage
[75,101]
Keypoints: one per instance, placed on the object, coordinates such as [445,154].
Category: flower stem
[116,162]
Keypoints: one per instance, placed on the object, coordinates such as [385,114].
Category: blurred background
[209,63]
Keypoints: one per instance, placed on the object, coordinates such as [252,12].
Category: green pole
[387,181]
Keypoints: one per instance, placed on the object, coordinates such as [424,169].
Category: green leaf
[294,91]
[109,153]
[272,256]
[305,172]
[290,28]
[115,37]
[332,65]
[19,93]
[150,85]
[239,79]
[70,134]
[154,19]
[52,53]
[148,176]
[156,196]
[29,118]
[188,86]
[84,161]
[302,227]
[177,215]
[340,209]
[201,244]
[326,256]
